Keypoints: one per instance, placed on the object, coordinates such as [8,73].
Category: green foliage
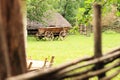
[36,9]
[74,30]
[118,9]
[75,11]
[68,9]
[110,32]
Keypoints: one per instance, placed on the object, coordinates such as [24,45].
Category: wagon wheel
[37,36]
[49,35]
[62,34]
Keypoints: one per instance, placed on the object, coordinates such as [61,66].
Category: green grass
[74,46]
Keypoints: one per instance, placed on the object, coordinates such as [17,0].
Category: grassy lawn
[74,46]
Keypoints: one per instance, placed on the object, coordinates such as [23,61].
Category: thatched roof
[33,24]
[55,20]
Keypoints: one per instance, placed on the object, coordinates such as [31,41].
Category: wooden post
[12,39]
[97,30]
[97,36]
[4,61]
[24,12]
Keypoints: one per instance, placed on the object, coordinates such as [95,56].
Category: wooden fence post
[97,36]
[11,39]
[4,59]
[24,12]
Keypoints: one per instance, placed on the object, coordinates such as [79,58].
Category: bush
[109,32]
[74,30]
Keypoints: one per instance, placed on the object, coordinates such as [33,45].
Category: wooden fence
[12,52]
[85,69]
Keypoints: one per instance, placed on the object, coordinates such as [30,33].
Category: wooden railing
[79,69]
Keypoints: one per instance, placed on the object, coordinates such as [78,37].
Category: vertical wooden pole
[5,70]
[97,31]
[24,12]
[12,38]
[15,37]
[97,37]
[4,59]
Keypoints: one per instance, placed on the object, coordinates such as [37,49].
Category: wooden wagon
[50,33]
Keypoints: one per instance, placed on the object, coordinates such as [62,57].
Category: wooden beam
[112,75]
[55,73]
[100,71]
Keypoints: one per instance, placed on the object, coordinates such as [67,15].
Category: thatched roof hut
[33,24]
[54,20]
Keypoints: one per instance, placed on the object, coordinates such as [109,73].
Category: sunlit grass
[74,46]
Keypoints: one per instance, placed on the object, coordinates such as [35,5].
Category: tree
[72,10]
[68,9]
[36,9]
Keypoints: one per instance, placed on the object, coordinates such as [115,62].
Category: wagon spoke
[52,36]
[62,34]
[49,35]
[37,36]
